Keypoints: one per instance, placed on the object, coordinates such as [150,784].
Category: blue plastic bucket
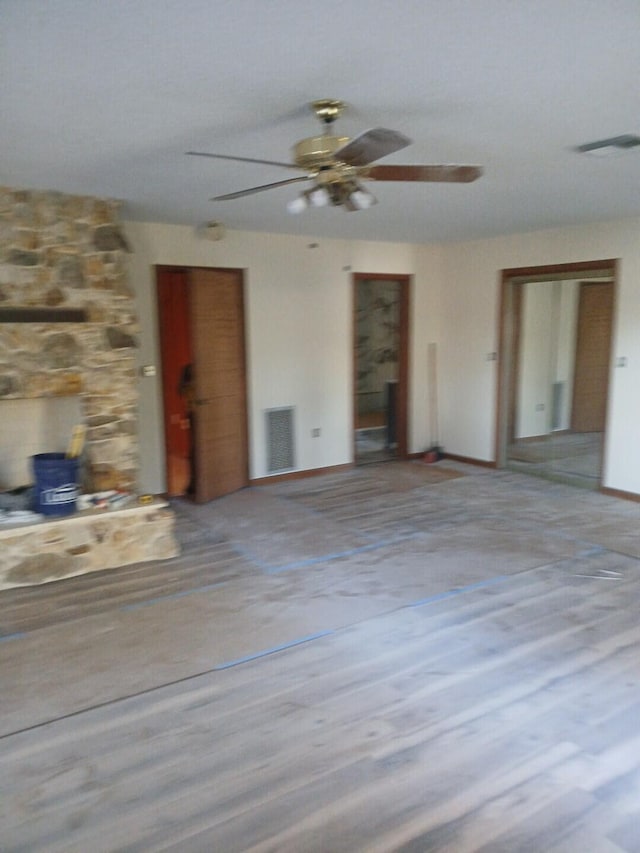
[56,483]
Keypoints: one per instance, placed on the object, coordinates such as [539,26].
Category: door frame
[509,328]
[402,400]
[185,269]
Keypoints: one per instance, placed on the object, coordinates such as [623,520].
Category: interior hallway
[397,657]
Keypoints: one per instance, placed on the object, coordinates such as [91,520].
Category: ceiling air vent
[605,147]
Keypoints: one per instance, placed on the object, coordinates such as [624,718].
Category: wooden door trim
[507,357]
[517,294]
[402,402]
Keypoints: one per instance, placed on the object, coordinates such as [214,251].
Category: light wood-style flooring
[400,657]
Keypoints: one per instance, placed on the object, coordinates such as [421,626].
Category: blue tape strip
[591,551]
[265,652]
[17,636]
[323,558]
[149,601]
[451,592]
[251,558]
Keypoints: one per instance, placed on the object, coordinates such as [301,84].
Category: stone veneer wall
[61,251]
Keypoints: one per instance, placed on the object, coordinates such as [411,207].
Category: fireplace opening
[31,426]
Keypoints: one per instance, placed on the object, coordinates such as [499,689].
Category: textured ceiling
[105,97]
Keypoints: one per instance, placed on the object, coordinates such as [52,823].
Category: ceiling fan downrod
[328,110]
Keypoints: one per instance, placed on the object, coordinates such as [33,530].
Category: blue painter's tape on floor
[265,652]
[592,551]
[323,558]
[150,601]
[249,557]
[458,591]
[17,636]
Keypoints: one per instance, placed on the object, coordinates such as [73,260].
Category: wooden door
[216,309]
[175,348]
[593,347]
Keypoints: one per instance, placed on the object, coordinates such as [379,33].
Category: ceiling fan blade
[253,190]
[241,159]
[451,174]
[371,145]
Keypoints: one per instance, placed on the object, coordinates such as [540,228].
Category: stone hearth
[85,542]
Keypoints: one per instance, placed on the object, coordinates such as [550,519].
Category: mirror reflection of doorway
[557,372]
[380,322]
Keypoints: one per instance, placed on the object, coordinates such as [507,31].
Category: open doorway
[202,342]
[556,333]
[381,322]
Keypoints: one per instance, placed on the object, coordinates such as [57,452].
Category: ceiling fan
[336,165]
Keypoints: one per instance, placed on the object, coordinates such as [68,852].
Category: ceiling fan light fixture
[318,196]
[348,194]
[362,199]
[298,205]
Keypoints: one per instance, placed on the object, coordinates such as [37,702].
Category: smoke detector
[213,231]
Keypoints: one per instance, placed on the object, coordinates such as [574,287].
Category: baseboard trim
[299,475]
[482,463]
[545,435]
[619,493]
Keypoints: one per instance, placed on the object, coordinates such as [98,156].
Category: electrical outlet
[148,370]
[315,433]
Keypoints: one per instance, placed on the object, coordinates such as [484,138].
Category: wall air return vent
[280,447]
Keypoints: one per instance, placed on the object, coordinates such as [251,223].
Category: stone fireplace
[62,256]
[67,343]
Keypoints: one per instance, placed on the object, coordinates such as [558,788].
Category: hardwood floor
[409,657]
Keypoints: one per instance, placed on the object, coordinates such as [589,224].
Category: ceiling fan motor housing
[317,151]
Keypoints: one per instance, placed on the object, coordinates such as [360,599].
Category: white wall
[299,332]
[470,330]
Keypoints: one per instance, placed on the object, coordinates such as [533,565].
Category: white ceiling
[103,97]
